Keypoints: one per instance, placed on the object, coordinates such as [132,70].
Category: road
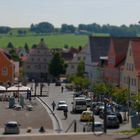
[54,93]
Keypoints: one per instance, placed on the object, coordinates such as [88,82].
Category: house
[6,68]
[36,65]
[131,71]
[97,50]
[77,57]
[116,58]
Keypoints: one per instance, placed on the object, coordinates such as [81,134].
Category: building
[130,77]
[6,68]
[36,65]
[77,57]
[97,50]
[116,58]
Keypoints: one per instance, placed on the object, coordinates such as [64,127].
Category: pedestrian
[65,111]
[62,88]
[53,105]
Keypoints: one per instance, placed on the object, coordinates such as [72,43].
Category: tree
[57,65]
[81,69]
[42,27]
[26,47]
[14,55]
[4,29]
[136,103]
[120,95]
[67,28]
[100,88]
[10,45]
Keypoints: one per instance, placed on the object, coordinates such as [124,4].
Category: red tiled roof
[121,46]
[4,55]
[135,44]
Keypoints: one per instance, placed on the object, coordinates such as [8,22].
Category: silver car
[12,127]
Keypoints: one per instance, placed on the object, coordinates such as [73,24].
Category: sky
[22,13]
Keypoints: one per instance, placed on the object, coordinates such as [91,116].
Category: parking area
[34,119]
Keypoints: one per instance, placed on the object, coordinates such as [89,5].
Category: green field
[52,40]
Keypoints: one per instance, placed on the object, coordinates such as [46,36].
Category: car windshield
[112,118]
[11,125]
[81,103]
[62,102]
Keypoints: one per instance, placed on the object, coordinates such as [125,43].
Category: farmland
[52,40]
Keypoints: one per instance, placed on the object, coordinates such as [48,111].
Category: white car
[62,105]
[12,127]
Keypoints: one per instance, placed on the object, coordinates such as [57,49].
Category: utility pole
[105,118]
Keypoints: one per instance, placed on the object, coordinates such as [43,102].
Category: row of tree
[46,27]
[123,30]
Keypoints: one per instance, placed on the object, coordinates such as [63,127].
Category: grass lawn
[53,41]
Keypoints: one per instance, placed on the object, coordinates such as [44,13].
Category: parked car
[97,109]
[98,126]
[109,112]
[86,116]
[112,121]
[12,127]
[62,105]
[58,83]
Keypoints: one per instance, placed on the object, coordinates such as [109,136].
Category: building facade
[6,69]
[130,78]
[36,65]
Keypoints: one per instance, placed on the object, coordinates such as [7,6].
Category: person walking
[65,111]
[62,88]
[53,105]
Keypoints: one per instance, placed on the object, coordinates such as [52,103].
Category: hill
[52,40]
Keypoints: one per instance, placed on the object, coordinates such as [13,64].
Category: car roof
[63,105]
[113,116]
[87,111]
[62,102]
[98,122]
[12,122]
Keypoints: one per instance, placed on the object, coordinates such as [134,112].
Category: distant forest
[46,27]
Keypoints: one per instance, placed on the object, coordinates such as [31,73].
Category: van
[79,104]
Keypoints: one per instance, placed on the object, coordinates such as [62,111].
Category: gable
[4,59]
[129,63]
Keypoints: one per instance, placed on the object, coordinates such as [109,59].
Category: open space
[26,118]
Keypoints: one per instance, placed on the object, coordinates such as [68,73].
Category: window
[5,71]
